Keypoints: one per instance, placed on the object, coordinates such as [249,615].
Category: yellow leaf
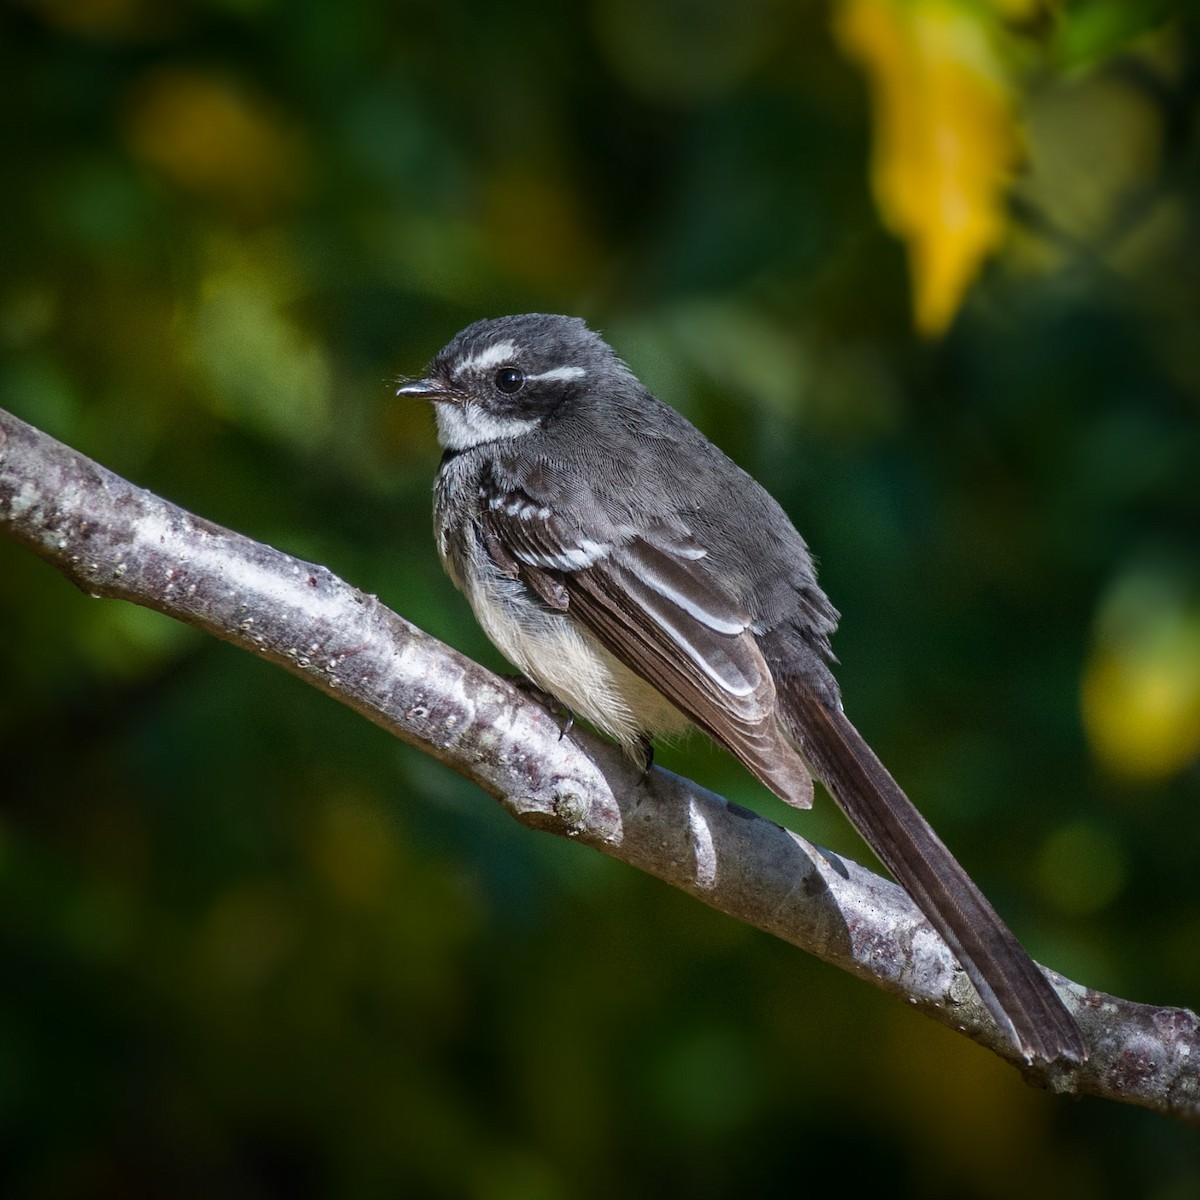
[1141,686]
[945,139]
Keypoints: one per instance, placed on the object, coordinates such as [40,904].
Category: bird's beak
[424,389]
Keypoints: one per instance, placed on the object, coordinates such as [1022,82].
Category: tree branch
[113,539]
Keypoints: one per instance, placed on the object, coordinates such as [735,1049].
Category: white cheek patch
[490,356]
[461,426]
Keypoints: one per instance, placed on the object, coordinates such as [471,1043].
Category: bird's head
[498,379]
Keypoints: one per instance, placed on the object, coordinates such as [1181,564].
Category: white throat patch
[461,426]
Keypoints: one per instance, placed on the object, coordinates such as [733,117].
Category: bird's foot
[550,703]
[643,753]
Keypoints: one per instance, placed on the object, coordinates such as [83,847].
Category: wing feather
[652,601]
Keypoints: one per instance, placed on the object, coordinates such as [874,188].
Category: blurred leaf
[1094,145]
[1081,868]
[1022,10]
[123,641]
[109,18]
[946,139]
[262,367]
[212,137]
[1092,29]
[535,230]
[1141,688]
[683,50]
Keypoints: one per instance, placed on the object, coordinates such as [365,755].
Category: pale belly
[570,664]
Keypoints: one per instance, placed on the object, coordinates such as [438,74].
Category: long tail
[1010,984]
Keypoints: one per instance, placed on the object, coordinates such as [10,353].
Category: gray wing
[651,597]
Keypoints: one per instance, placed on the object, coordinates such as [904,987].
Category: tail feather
[1011,985]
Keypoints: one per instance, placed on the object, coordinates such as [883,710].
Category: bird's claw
[547,701]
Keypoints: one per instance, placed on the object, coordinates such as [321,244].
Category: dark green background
[249,945]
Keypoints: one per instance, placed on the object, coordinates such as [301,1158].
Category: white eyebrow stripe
[490,356]
[560,373]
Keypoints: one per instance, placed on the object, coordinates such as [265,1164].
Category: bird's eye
[509,380]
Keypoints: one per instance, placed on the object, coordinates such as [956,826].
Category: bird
[632,571]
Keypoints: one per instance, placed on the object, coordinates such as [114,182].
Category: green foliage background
[253,947]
